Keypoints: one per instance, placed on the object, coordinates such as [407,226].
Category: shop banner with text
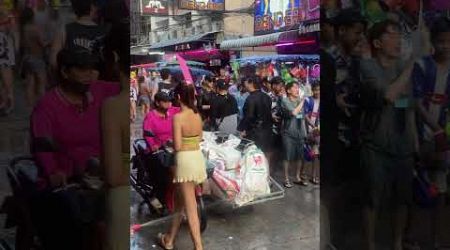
[283,15]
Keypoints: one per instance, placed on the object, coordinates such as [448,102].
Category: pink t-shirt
[161,127]
[76,134]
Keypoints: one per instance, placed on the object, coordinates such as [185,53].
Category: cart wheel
[202,214]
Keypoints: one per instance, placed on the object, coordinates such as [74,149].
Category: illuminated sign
[183,47]
[281,15]
[154,7]
[308,28]
[214,5]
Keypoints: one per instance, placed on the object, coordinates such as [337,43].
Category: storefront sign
[282,15]
[214,5]
[194,45]
[183,47]
[215,62]
[308,28]
[154,7]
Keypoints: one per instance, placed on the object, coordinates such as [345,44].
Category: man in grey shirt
[387,130]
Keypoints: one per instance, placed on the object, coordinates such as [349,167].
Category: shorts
[190,167]
[386,176]
[144,100]
[293,148]
[34,65]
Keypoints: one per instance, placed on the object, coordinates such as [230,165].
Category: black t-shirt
[88,37]
[205,99]
[257,112]
[223,106]
[167,88]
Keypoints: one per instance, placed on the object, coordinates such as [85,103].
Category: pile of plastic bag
[239,177]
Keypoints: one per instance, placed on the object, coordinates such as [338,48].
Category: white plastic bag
[255,176]
[230,155]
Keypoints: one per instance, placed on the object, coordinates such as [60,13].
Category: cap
[77,58]
[162,97]
[348,16]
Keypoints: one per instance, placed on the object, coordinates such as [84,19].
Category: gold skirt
[190,167]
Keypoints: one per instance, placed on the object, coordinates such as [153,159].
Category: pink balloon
[185,70]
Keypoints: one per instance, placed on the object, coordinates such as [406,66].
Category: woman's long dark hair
[187,96]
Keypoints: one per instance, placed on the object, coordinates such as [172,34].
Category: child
[312,117]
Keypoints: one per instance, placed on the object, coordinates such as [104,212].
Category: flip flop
[301,183]
[288,184]
[162,243]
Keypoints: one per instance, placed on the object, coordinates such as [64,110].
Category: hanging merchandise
[235,66]
[275,69]
[285,75]
[372,11]
[315,71]
[271,69]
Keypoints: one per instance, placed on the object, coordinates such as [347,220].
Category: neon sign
[281,15]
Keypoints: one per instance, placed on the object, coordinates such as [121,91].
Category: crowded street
[288,223]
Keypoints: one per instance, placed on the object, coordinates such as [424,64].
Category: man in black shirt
[84,33]
[224,110]
[256,124]
[166,85]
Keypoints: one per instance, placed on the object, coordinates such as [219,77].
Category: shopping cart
[276,190]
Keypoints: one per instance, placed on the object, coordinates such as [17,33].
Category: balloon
[185,69]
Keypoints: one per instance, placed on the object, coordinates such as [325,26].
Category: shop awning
[253,41]
[181,41]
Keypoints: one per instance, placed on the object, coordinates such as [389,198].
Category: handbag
[165,158]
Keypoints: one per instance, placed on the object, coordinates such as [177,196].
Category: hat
[162,97]
[77,58]
[348,16]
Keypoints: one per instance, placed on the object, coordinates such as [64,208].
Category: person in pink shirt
[68,116]
[159,121]
[66,144]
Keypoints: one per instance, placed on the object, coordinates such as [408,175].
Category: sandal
[162,242]
[288,184]
[315,181]
[301,182]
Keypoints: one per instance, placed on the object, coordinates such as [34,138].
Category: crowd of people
[74,64]
[273,112]
[385,101]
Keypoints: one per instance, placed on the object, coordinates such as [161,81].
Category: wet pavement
[288,223]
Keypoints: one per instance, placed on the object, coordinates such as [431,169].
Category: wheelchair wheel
[202,214]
